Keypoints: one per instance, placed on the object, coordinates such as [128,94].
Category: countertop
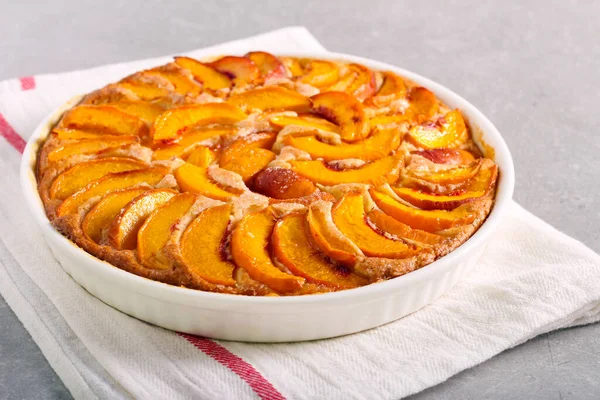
[532,67]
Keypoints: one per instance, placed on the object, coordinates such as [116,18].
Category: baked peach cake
[264,175]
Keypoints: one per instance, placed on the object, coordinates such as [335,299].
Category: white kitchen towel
[531,279]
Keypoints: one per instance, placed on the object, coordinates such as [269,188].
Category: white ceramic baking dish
[269,319]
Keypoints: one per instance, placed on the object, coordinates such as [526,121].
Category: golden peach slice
[109,183]
[263,140]
[305,120]
[188,142]
[91,146]
[142,91]
[350,218]
[293,65]
[427,220]
[181,83]
[358,81]
[344,111]
[145,111]
[154,234]
[191,178]
[446,156]
[271,98]
[327,236]
[485,180]
[171,124]
[458,174]
[106,210]
[392,85]
[320,73]
[449,131]
[384,170]
[422,104]
[381,143]
[250,163]
[210,78]
[202,157]
[426,201]
[249,248]
[105,119]
[385,223]
[75,134]
[282,183]
[240,69]
[293,248]
[202,246]
[123,231]
[267,63]
[76,177]
[395,119]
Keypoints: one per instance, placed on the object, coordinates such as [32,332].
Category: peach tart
[265,176]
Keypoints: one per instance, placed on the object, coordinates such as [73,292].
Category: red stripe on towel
[262,387]
[11,136]
[27,82]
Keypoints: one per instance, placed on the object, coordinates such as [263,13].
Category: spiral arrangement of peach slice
[265,175]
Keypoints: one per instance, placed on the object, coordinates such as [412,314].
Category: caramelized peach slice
[389,119]
[320,73]
[91,146]
[75,134]
[381,143]
[109,183]
[426,201]
[76,177]
[293,66]
[427,220]
[249,244]
[240,69]
[106,210]
[449,131]
[106,119]
[386,169]
[453,175]
[250,163]
[388,224]
[145,111]
[358,81]
[188,142]
[271,98]
[349,216]
[486,178]
[154,234]
[172,123]
[210,78]
[191,178]
[293,248]
[262,140]
[267,63]
[123,231]
[446,156]
[392,86]
[144,92]
[305,120]
[202,157]
[327,236]
[282,183]
[202,245]
[423,104]
[344,111]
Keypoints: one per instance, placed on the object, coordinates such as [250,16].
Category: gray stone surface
[530,66]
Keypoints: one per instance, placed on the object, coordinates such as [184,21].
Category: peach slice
[350,218]
[91,146]
[385,223]
[384,170]
[123,231]
[392,86]
[389,119]
[202,157]
[293,65]
[449,131]
[306,120]
[263,140]
[154,234]
[249,244]
[267,63]
[426,201]
[327,236]
[110,182]
[105,119]
[172,123]
[271,98]
[344,111]
[145,111]
[250,163]
[210,78]
[427,220]
[106,210]
[358,81]
[458,174]
[191,178]
[423,104]
[144,92]
[240,69]
[293,248]
[320,73]
[188,142]
[181,83]
[486,178]
[202,246]
[282,183]
[381,143]
[446,156]
[75,134]
[76,177]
